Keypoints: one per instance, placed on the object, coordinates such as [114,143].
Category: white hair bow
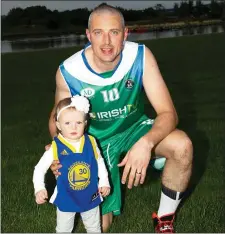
[81,103]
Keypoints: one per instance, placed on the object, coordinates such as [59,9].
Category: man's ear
[88,35]
[126,32]
[58,125]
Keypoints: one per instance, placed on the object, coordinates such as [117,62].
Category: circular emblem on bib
[87,92]
[129,84]
[79,175]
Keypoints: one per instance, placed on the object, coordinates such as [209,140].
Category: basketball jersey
[116,101]
[77,185]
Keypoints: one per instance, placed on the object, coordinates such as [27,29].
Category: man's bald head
[104,8]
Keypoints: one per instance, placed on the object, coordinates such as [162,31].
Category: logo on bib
[64,152]
[79,175]
[87,92]
[129,84]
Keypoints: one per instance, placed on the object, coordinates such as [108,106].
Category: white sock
[168,205]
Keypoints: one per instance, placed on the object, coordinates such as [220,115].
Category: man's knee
[183,149]
[106,221]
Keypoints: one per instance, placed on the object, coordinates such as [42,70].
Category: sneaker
[163,224]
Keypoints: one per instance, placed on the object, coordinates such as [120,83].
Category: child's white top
[47,159]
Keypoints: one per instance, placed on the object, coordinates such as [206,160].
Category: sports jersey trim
[143,73]
[55,154]
[109,162]
[76,68]
[67,144]
[89,67]
[93,146]
[82,139]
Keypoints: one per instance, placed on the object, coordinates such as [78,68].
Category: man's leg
[107,221]
[112,203]
[112,150]
[178,150]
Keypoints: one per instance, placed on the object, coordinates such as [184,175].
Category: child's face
[71,123]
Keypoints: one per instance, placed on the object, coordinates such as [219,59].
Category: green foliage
[35,16]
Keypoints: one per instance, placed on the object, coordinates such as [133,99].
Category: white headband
[81,103]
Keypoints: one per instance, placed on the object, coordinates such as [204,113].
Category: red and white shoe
[163,224]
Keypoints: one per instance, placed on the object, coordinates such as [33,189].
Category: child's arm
[104,186]
[40,171]
[102,173]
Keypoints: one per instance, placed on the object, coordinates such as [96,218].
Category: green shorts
[113,148]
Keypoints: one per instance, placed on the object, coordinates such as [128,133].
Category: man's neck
[100,66]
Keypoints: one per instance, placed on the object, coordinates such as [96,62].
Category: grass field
[194,69]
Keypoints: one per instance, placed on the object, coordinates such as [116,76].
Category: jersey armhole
[55,153]
[143,62]
[94,146]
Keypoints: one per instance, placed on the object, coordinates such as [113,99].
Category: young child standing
[84,178]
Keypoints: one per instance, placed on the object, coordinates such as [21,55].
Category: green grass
[193,68]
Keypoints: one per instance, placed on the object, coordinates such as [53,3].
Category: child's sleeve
[102,171]
[41,169]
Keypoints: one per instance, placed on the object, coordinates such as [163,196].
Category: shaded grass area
[193,68]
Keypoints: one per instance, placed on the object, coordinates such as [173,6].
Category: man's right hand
[55,167]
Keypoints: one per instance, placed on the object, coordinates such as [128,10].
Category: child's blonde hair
[65,102]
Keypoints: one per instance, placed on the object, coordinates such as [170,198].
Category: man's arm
[138,157]
[158,95]
[61,92]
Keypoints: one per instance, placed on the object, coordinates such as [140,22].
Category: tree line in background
[40,17]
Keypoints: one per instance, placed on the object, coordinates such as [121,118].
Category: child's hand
[104,191]
[41,196]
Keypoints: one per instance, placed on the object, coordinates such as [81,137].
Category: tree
[150,13]
[14,16]
[223,13]
[160,10]
[190,7]
[176,9]
[79,17]
[159,7]
[215,9]
[53,21]
[184,10]
[198,8]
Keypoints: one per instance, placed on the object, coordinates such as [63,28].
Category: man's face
[71,123]
[106,34]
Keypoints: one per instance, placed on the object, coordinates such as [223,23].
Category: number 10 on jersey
[110,95]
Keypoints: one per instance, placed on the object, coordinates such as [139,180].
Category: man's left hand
[136,162]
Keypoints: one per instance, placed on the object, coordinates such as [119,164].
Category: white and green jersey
[115,96]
